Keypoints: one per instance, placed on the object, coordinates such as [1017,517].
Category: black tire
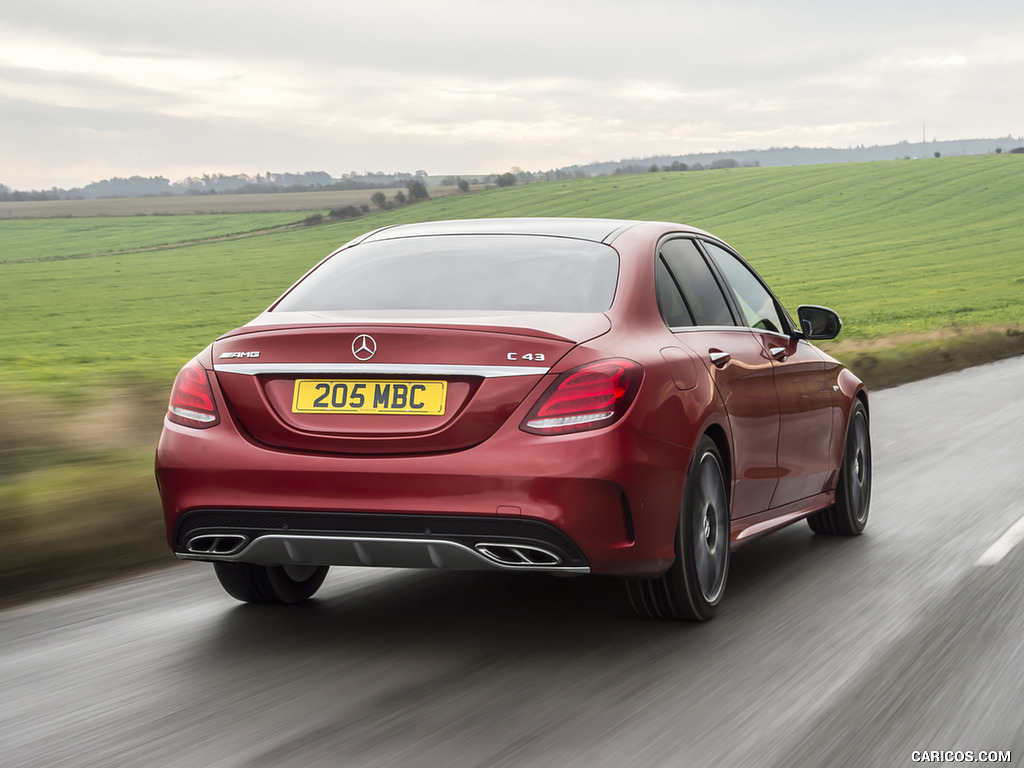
[693,585]
[270,583]
[849,515]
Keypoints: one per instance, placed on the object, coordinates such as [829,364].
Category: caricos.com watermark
[960,756]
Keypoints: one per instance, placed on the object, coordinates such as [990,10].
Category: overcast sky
[91,90]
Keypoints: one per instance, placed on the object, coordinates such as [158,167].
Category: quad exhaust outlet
[518,554]
[217,543]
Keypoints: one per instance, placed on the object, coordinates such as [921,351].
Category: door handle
[779,353]
[719,359]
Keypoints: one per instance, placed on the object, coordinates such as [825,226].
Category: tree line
[416,191]
[217,183]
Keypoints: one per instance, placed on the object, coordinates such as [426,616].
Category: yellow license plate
[425,398]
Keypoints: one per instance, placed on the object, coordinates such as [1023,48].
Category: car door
[698,313]
[804,394]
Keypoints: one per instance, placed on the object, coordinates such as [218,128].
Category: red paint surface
[781,423]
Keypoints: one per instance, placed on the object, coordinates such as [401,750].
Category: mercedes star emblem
[364,347]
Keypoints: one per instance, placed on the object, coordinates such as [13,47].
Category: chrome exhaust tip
[522,555]
[216,544]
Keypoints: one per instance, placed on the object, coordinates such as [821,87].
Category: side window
[756,303]
[700,289]
[670,301]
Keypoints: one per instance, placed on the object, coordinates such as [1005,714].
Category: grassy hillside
[47,239]
[897,247]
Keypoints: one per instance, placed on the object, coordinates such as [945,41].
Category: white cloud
[937,62]
[463,86]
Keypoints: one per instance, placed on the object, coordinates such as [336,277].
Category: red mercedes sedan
[563,395]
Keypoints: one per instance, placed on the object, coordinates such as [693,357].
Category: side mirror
[818,323]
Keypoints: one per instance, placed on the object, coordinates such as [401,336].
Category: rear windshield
[451,272]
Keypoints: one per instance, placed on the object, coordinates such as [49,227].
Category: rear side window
[670,301]
[463,272]
[702,292]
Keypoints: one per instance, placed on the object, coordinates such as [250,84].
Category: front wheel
[849,515]
[270,583]
[693,585]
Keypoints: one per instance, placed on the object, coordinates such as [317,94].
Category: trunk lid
[335,382]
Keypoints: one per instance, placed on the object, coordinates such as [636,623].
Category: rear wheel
[692,587]
[849,515]
[270,583]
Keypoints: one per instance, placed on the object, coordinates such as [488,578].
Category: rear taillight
[589,397]
[192,403]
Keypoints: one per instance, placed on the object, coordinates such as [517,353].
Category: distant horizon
[621,161]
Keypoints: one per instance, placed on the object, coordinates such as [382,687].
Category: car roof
[596,230]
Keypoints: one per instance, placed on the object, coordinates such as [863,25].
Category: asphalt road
[826,652]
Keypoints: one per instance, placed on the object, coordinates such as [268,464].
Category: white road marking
[1003,544]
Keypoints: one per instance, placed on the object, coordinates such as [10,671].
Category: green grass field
[897,247]
[26,240]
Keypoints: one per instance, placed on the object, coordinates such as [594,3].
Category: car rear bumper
[601,502]
[274,537]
